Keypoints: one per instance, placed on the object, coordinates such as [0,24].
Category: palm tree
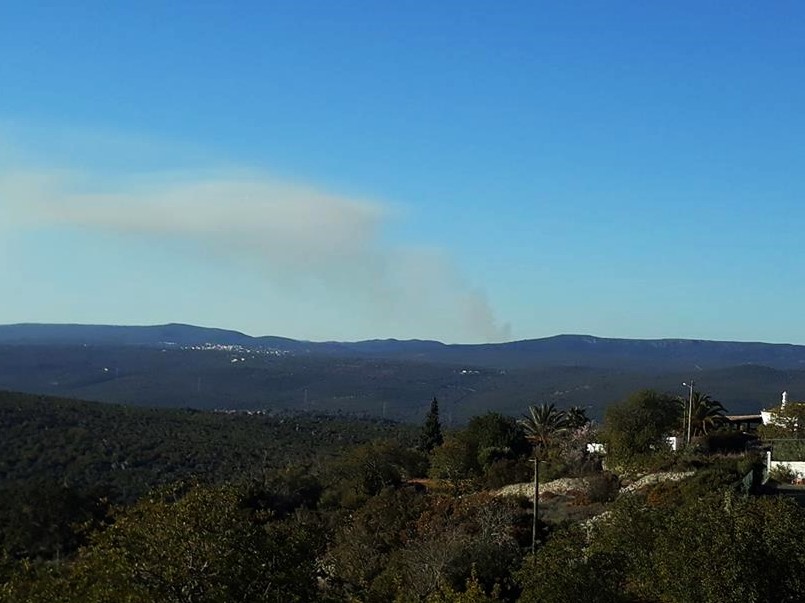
[576,417]
[542,424]
[707,413]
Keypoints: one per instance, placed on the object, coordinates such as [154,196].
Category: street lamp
[534,519]
[690,405]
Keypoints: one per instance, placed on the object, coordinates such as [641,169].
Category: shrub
[637,426]
[788,450]
[783,474]
[454,460]
[507,471]
[602,487]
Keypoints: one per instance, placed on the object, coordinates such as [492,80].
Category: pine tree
[432,430]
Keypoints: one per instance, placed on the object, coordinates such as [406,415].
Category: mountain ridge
[557,350]
[179,365]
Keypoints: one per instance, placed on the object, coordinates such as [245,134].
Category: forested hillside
[124,451]
[104,503]
[213,378]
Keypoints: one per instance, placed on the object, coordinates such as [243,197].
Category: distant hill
[157,335]
[562,350]
[185,366]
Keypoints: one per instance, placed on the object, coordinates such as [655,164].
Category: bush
[508,471]
[456,459]
[788,450]
[638,426]
[364,472]
[199,547]
[281,492]
[563,571]
[556,468]
[783,474]
[711,481]
[492,454]
[494,430]
[603,487]
[413,463]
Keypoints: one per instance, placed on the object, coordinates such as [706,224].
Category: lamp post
[536,505]
[690,406]
[535,517]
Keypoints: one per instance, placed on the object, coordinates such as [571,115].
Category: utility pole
[536,506]
[690,406]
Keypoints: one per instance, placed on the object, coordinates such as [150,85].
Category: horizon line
[413,339]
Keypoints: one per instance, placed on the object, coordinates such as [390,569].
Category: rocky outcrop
[558,486]
[567,485]
[656,478]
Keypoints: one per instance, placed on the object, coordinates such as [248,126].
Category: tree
[562,570]
[432,430]
[455,540]
[707,413]
[197,546]
[542,425]
[709,550]
[455,460]
[577,417]
[786,422]
[706,548]
[496,437]
[362,545]
[43,519]
[638,425]
[364,472]
[493,430]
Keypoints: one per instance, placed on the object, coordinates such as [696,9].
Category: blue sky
[463,171]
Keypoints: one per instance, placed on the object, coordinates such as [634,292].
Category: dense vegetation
[127,450]
[111,503]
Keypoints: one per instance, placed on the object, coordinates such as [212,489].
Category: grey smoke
[289,234]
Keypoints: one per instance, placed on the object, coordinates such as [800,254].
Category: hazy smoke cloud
[288,233]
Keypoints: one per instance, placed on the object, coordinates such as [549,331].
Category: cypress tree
[432,430]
